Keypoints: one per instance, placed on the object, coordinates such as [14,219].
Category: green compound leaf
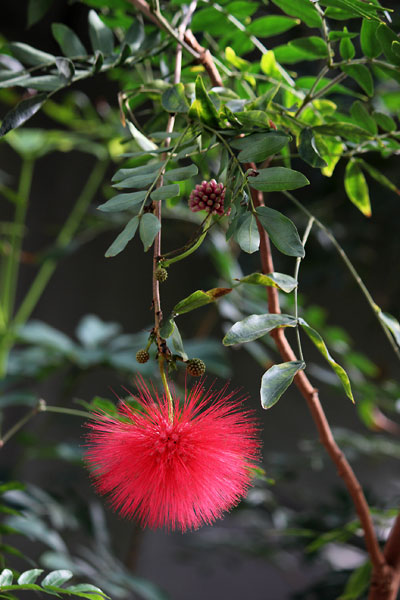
[174,100]
[149,227]
[247,235]
[122,202]
[68,41]
[165,192]
[150,168]
[277,179]
[286,283]
[320,344]
[258,146]
[256,326]
[29,576]
[276,381]
[272,25]
[356,187]
[198,299]
[386,37]
[303,9]
[181,173]
[362,117]
[203,108]
[370,44]
[281,230]
[124,237]
[101,37]
[308,150]
[22,112]
[362,75]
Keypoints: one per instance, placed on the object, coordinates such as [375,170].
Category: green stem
[199,241]
[74,412]
[63,239]
[296,276]
[166,388]
[375,308]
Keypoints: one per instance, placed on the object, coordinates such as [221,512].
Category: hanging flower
[180,475]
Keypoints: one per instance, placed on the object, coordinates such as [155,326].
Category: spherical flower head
[209,196]
[180,474]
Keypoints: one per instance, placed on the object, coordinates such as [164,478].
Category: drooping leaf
[308,150]
[276,381]
[198,299]
[277,179]
[303,9]
[281,230]
[22,113]
[247,235]
[165,192]
[167,327]
[203,108]
[286,283]
[255,326]
[391,323]
[259,146]
[124,237]
[149,227]
[68,41]
[101,37]
[122,202]
[320,345]
[181,173]
[356,187]
[178,344]
[174,99]
[362,75]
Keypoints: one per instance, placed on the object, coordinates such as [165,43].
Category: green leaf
[178,344]
[44,83]
[122,202]
[135,36]
[331,150]
[384,121]
[386,37]
[174,100]
[320,344]
[313,46]
[303,9]
[165,192]
[391,323]
[357,583]
[101,37]
[286,283]
[149,227]
[356,187]
[167,327]
[370,44]
[269,66]
[345,130]
[281,230]
[355,7]
[181,173]
[147,169]
[253,118]
[66,69]
[255,326]
[203,108]
[270,26]
[6,577]
[258,146]
[379,177]
[141,180]
[198,299]
[361,75]
[277,179]
[31,56]
[124,237]
[247,235]
[57,578]
[36,10]
[29,576]
[362,117]
[346,47]
[22,113]
[68,41]
[308,150]
[276,381]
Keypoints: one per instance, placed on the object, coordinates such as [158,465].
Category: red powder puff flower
[180,475]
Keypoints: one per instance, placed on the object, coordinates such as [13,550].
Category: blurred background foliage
[78,319]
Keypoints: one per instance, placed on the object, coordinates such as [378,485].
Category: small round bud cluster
[142,356]
[195,367]
[161,274]
[209,196]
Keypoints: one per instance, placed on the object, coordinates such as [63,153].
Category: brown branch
[310,394]
[189,42]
